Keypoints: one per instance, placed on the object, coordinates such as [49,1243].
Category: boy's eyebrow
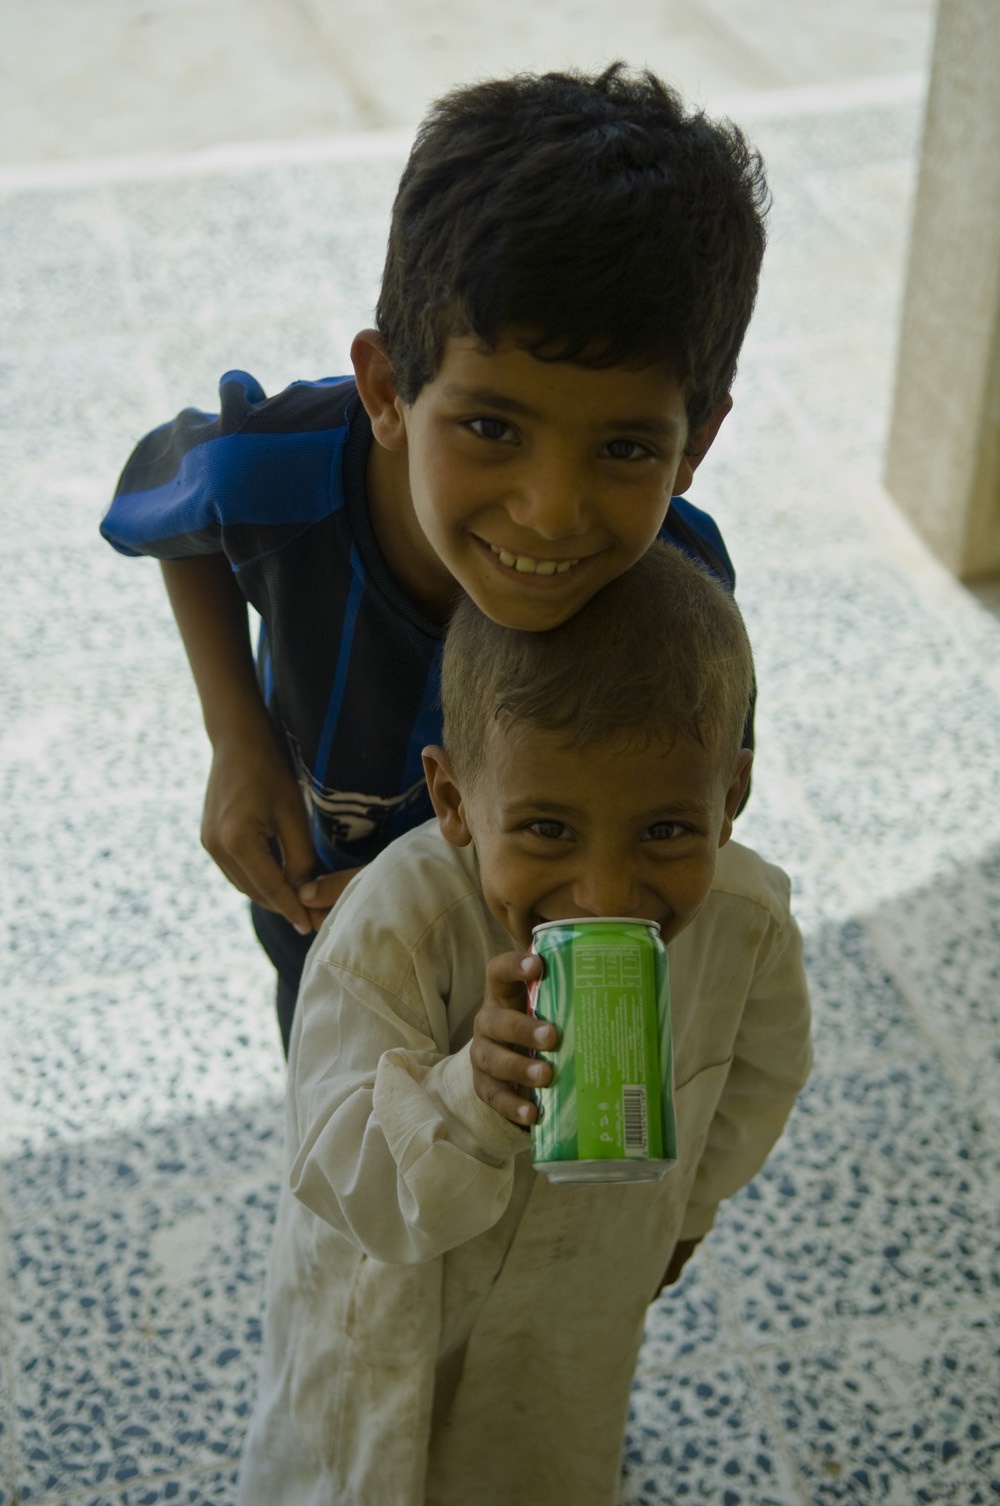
[531,806]
[655,427]
[542,806]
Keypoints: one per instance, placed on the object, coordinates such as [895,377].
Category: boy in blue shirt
[571,268]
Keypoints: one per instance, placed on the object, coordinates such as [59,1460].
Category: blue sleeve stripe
[354,599]
[232,480]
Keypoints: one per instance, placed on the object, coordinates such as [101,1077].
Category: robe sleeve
[391,1144]
[770,1063]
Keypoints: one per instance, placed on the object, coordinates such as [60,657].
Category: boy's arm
[770,1065]
[183,485]
[391,1143]
[252,800]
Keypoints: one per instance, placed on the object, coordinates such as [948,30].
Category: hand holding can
[505,1069]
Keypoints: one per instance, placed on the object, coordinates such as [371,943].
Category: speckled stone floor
[837,1340]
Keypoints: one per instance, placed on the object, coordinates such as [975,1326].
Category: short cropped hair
[587,216]
[661,650]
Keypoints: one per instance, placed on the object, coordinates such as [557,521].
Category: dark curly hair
[590,217]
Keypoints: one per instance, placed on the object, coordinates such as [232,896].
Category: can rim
[596,920]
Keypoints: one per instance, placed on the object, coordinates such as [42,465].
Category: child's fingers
[508,975]
[506,1026]
[493,1060]
[503,1020]
[249,854]
[504,1070]
[505,1102]
[321,893]
[255,827]
[262,878]
[276,893]
[503,1078]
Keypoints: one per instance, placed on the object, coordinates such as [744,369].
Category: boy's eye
[496,429]
[627,449]
[663,831]
[552,831]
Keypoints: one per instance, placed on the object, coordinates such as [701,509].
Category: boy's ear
[734,794]
[446,797]
[698,445]
[377,389]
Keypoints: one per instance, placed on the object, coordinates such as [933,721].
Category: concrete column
[943,460]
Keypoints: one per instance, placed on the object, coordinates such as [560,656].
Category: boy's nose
[606,889]
[551,506]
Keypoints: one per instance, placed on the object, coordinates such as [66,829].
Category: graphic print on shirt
[347,818]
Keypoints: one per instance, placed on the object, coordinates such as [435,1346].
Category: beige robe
[443,1325]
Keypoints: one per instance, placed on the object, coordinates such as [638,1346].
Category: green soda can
[608,1114]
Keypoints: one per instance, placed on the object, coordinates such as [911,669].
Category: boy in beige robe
[444,1326]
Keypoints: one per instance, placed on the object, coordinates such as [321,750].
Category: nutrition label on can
[611,1037]
[607,967]
[616,1049]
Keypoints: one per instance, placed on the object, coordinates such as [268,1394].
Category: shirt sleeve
[390,1143]
[224,483]
[697,535]
[164,503]
[770,1064]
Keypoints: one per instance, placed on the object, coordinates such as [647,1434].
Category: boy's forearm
[390,1144]
[211,616]
[384,1157]
[770,1066]
[254,823]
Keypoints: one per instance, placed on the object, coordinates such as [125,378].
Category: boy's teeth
[527,566]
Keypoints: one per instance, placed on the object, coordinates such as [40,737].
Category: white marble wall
[943,455]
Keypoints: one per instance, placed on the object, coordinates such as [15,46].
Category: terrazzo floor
[837,1339]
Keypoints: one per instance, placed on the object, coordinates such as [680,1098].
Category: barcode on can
[634,1114]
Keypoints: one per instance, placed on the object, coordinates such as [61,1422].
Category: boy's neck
[410,558]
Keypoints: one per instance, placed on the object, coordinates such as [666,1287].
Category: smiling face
[607,829]
[527,484]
